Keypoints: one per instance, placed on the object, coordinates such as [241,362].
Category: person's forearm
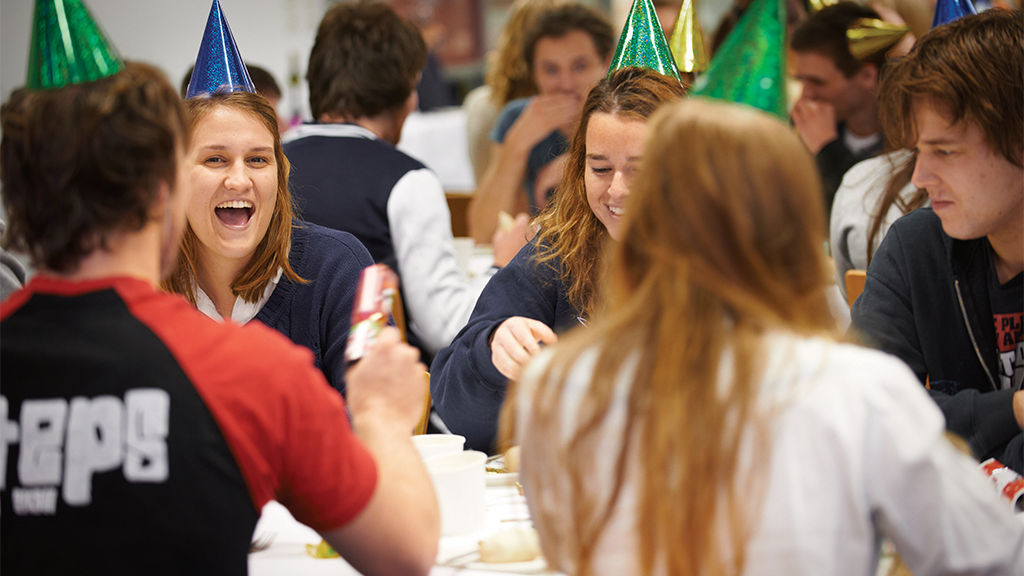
[405,506]
[497,191]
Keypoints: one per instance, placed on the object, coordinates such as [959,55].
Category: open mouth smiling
[234,213]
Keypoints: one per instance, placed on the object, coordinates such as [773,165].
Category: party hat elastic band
[750,66]
[67,47]
[868,36]
[687,41]
[642,43]
[948,10]
[219,67]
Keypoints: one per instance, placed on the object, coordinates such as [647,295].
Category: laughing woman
[243,256]
[548,287]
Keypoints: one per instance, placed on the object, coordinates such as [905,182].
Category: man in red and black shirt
[137,435]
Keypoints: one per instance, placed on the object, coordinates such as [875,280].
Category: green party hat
[687,41]
[642,43]
[750,66]
[67,47]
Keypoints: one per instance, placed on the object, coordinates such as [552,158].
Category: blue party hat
[948,10]
[219,66]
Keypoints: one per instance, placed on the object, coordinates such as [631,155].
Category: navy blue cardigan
[317,315]
[467,389]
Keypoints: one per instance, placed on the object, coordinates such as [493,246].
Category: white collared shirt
[243,311]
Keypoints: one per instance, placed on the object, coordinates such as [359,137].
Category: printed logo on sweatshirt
[1010,343]
[61,444]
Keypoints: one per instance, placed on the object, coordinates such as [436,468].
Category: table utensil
[262,542]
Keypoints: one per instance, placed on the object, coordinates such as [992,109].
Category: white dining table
[287,555]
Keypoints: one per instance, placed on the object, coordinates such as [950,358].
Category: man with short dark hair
[567,51]
[348,175]
[137,436]
[945,291]
[837,113]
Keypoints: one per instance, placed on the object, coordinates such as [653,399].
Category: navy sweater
[467,389]
[926,301]
[317,314]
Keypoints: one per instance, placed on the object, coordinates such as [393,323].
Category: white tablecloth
[287,554]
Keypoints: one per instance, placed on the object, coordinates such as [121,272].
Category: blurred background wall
[278,34]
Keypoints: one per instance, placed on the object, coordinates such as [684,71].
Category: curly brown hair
[86,160]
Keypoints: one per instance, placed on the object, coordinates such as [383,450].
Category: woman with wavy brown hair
[549,286]
[244,257]
[708,422]
[507,78]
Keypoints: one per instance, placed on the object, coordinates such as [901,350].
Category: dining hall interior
[465,287]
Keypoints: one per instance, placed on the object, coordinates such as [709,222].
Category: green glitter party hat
[750,67]
[642,43]
[687,41]
[67,47]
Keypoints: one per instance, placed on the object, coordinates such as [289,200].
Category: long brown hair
[900,175]
[722,243]
[970,69]
[272,252]
[569,230]
[507,72]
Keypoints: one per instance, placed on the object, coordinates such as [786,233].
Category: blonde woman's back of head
[733,193]
[723,242]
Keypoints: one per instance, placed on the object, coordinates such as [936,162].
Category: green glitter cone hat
[67,47]
[750,66]
[687,42]
[642,43]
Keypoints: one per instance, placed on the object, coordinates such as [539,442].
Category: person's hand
[1018,408]
[388,385]
[542,116]
[516,341]
[815,122]
[508,242]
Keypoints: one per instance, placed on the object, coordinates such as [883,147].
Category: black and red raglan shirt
[139,436]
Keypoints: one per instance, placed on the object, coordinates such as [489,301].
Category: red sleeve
[287,428]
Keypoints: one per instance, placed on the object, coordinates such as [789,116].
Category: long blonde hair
[722,243]
[272,252]
[569,230]
[507,73]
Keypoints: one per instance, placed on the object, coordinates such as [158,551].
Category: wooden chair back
[421,428]
[854,284]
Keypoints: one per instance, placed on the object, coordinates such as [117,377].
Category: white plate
[535,566]
[502,479]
